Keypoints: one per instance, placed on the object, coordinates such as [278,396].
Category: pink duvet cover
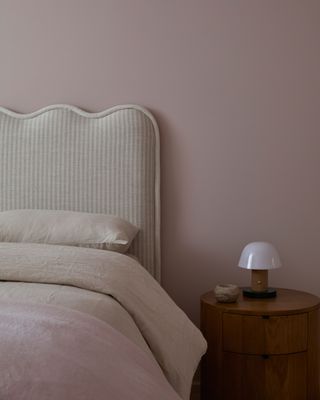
[54,353]
[176,344]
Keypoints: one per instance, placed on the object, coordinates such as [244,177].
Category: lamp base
[265,294]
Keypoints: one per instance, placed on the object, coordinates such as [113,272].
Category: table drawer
[265,335]
[276,377]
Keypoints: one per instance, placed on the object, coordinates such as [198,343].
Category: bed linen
[174,341]
[95,304]
[71,228]
[54,353]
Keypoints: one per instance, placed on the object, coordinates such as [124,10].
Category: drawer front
[265,335]
[281,377]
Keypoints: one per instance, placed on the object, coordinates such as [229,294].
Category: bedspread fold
[175,342]
[54,353]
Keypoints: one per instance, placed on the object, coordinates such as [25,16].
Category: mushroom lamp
[260,257]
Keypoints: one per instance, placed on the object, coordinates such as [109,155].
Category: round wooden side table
[261,349]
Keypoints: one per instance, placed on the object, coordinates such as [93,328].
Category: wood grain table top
[287,301]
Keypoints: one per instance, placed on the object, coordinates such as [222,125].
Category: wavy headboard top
[64,158]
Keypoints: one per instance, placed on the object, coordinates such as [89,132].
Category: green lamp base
[266,294]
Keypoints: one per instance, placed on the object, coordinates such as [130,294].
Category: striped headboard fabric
[63,158]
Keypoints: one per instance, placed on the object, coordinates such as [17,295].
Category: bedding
[74,356]
[98,305]
[67,228]
[175,343]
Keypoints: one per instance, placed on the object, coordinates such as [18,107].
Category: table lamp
[260,257]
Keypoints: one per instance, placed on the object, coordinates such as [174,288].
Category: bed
[82,322]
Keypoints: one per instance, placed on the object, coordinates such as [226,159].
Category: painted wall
[235,86]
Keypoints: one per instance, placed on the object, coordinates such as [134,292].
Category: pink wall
[235,86]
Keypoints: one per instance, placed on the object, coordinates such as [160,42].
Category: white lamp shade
[259,255]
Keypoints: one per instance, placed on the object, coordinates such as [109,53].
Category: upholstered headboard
[61,157]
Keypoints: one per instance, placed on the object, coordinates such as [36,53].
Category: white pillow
[67,228]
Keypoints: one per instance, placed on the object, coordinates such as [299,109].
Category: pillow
[67,228]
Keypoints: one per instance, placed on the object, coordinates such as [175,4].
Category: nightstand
[261,349]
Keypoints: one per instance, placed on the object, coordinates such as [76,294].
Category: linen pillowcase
[70,228]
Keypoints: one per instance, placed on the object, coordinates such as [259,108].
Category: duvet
[145,348]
